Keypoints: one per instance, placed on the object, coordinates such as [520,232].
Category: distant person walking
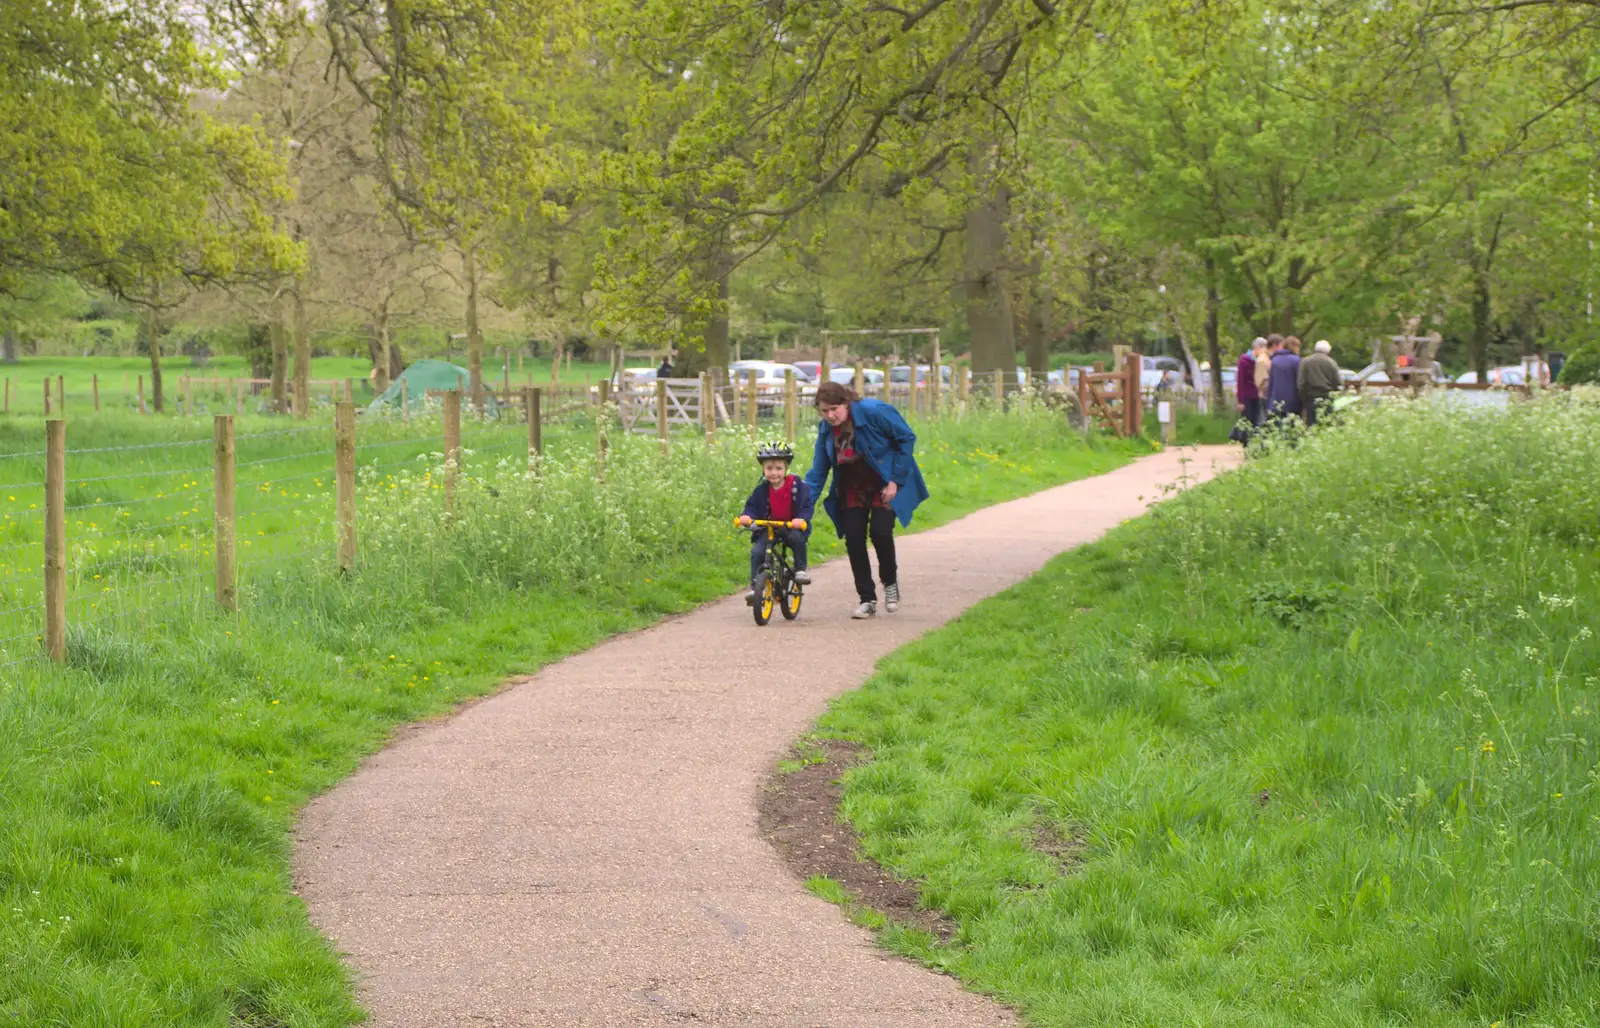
[1318,379]
[868,449]
[1264,368]
[1244,381]
[1283,380]
[665,370]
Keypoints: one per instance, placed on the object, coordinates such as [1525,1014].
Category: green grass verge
[148,789]
[1325,732]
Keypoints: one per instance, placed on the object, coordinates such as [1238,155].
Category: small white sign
[1164,412]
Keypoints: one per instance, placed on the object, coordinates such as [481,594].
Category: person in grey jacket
[1318,379]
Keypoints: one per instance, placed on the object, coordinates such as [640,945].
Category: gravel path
[582,849]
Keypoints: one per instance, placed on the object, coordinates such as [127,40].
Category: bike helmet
[774,451]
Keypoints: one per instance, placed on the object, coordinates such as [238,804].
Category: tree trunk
[1041,319]
[384,364]
[1213,335]
[302,354]
[469,260]
[716,333]
[157,397]
[994,341]
[280,361]
[1482,321]
[8,348]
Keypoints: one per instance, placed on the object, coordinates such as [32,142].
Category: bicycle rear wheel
[791,597]
[766,599]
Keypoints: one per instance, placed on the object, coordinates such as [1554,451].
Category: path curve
[582,849]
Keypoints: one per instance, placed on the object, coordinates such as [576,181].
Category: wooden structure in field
[1113,398]
[1408,358]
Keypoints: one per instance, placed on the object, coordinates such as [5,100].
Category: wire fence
[143,541]
[190,526]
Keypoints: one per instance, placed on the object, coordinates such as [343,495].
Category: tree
[751,115]
[458,128]
[109,167]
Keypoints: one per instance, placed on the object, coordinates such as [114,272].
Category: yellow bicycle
[775,585]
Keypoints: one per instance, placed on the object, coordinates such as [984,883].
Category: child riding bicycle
[779,497]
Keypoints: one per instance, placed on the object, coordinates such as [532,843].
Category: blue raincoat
[885,442]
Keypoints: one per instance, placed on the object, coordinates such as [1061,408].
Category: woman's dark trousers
[859,523]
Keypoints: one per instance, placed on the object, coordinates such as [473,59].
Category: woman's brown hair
[832,394]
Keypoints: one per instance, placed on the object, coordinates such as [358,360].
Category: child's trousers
[758,549]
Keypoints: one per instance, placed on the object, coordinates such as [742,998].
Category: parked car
[847,376]
[810,369]
[635,375]
[1510,375]
[901,375]
[1056,377]
[768,373]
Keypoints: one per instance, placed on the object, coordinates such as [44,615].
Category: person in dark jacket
[1318,380]
[665,370]
[868,449]
[1283,381]
[779,497]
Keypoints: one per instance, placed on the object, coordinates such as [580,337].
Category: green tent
[420,377]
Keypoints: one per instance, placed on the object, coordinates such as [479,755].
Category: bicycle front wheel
[766,599]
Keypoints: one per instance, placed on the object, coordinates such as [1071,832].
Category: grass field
[148,788]
[1319,743]
[119,378]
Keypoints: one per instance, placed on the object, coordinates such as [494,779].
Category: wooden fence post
[791,406]
[452,446]
[662,416]
[61,395]
[752,407]
[1133,398]
[55,539]
[223,491]
[825,366]
[344,473]
[936,382]
[602,423]
[97,394]
[708,414]
[530,410]
[349,390]
[47,410]
[861,380]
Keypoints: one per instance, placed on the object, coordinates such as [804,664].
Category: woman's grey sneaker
[891,597]
[866,610]
[803,577]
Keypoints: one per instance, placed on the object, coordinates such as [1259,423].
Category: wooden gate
[1113,398]
[685,398]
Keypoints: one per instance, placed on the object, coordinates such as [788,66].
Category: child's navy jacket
[759,505]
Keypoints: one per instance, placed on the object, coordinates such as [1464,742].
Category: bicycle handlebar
[758,523]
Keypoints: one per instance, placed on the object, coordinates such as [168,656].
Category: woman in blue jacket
[868,448]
